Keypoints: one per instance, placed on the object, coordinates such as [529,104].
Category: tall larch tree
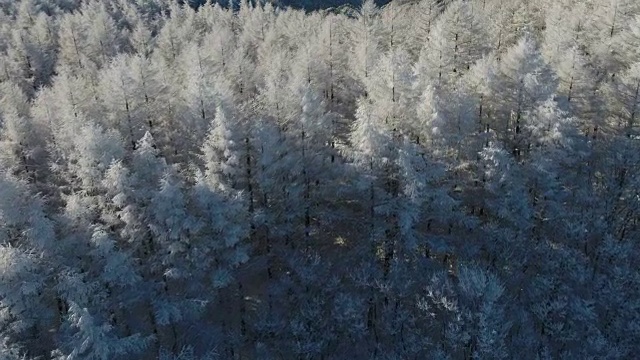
[457,40]
[363,37]
[523,80]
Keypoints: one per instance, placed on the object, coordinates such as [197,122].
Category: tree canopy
[426,179]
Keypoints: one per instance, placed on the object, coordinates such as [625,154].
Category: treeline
[308,5]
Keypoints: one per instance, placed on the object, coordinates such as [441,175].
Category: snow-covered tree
[626,52]
[522,81]
[607,21]
[27,244]
[392,90]
[72,43]
[456,41]
[123,100]
[578,86]
[92,339]
[94,151]
[21,147]
[363,37]
[625,107]
[102,34]
[25,310]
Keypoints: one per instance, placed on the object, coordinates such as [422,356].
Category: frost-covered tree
[522,81]
[91,339]
[25,311]
[456,41]
[625,51]
[311,166]
[607,21]
[27,247]
[203,91]
[374,153]
[123,100]
[625,108]
[21,152]
[506,22]
[72,42]
[21,141]
[93,152]
[578,86]
[102,34]
[225,153]
[224,215]
[363,37]
[564,32]
[392,90]
[31,49]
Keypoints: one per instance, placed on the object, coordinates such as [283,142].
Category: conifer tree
[118,94]
[626,108]
[72,43]
[391,90]
[626,52]
[363,37]
[102,34]
[93,340]
[28,245]
[94,151]
[455,43]
[20,150]
[523,80]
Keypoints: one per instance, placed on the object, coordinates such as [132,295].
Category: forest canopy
[420,180]
[307,5]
